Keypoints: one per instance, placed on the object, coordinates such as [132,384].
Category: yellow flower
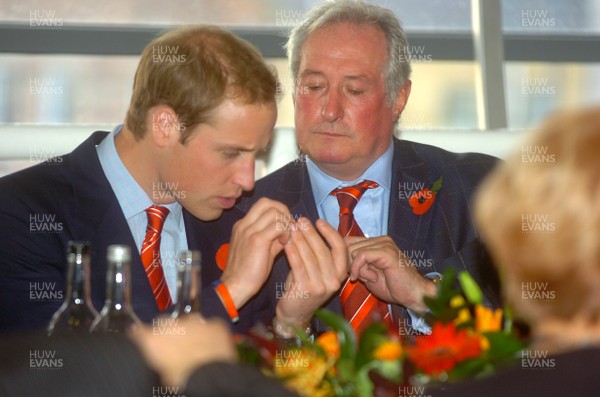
[487,320]
[388,351]
[484,342]
[328,341]
[463,314]
[457,301]
[303,371]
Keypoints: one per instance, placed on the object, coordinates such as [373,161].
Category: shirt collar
[323,184]
[132,198]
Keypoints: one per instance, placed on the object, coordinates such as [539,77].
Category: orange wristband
[225,297]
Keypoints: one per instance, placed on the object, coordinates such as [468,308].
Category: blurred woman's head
[540,215]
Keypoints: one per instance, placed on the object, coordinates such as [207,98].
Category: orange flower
[487,320]
[388,351]
[443,349]
[328,341]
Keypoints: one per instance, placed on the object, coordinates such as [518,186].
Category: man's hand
[180,346]
[256,240]
[317,271]
[387,272]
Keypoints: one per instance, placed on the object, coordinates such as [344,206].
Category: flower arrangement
[466,340]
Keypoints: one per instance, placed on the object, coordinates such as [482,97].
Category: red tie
[151,255]
[360,307]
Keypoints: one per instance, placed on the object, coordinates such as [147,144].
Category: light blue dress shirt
[134,201]
[371,212]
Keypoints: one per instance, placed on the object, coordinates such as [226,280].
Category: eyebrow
[234,146]
[309,72]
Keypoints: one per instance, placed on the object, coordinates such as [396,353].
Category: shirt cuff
[418,322]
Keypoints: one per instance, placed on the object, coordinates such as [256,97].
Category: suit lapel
[407,229]
[296,190]
[100,219]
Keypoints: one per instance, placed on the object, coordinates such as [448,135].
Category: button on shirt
[134,201]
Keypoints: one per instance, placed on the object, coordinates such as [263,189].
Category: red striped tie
[151,255]
[360,307]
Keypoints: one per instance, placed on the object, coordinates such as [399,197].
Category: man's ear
[163,125]
[401,99]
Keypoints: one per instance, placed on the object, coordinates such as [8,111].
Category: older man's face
[343,119]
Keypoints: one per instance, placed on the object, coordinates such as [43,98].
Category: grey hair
[357,12]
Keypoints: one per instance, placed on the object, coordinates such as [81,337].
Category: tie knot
[348,196]
[156,217]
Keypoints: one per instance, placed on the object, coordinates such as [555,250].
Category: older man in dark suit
[403,207]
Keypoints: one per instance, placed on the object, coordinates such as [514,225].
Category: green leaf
[389,369]
[470,288]
[503,347]
[372,337]
[346,370]
[507,315]
[437,185]
[248,354]
[470,368]
[363,383]
[439,306]
[306,341]
[345,333]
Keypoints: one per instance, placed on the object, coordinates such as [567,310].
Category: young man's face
[216,164]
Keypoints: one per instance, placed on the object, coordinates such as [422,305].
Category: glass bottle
[77,313]
[188,284]
[117,315]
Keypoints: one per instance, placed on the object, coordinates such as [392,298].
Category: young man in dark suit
[350,64]
[197,118]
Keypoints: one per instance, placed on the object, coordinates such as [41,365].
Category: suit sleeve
[33,237]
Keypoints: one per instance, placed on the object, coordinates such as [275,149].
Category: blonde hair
[193,70]
[540,215]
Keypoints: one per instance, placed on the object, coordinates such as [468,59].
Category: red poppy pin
[221,256]
[422,200]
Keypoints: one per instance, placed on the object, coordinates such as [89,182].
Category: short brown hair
[540,214]
[193,70]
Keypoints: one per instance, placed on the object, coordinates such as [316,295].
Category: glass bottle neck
[118,294]
[78,282]
[188,287]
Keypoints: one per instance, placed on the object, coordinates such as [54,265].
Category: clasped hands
[320,261]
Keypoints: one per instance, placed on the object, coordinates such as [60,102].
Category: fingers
[300,257]
[367,274]
[315,268]
[271,219]
[337,244]
[351,240]
[378,253]
[256,240]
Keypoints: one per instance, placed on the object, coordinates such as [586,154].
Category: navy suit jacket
[444,236]
[45,206]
